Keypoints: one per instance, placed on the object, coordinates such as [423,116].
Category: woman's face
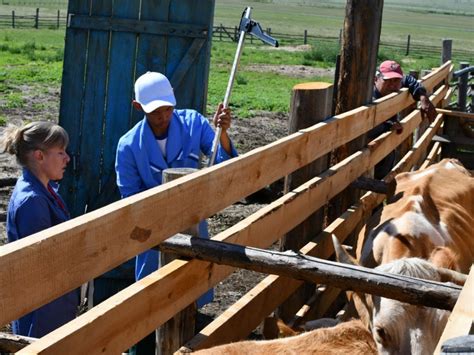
[54,162]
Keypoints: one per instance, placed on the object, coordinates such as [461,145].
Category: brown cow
[346,338]
[433,219]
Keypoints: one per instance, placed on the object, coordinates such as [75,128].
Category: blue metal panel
[108,45]
[94,108]
[119,97]
[71,105]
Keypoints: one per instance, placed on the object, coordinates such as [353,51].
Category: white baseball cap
[153,90]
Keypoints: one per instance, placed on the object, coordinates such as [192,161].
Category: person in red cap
[389,78]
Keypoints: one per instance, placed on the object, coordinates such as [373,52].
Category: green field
[34,57]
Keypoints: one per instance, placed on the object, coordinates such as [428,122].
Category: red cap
[390,70]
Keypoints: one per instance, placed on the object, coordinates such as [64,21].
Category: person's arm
[33,216]
[128,178]
[415,88]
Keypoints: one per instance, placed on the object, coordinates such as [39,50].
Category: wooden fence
[63,257]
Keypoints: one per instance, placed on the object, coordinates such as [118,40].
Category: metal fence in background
[223,33]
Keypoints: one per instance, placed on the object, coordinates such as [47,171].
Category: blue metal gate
[109,43]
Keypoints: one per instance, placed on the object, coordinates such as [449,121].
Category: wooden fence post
[236,34]
[310,103]
[13,19]
[181,328]
[362,27]
[462,87]
[37,18]
[446,53]
[305,41]
[220,32]
[408,45]
[57,23]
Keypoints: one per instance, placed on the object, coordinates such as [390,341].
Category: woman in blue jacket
[35,205]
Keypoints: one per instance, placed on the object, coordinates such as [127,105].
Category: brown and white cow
[432,219]
[345,338]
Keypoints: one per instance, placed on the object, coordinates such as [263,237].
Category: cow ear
[364,305]
[342,255]
[362,302]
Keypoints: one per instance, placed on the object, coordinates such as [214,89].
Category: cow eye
[381,335]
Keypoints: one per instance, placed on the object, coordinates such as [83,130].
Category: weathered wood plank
[433,156]
[460,320]
[10,343]
[303,267]
[455,113]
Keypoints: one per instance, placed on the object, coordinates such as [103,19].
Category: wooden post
[236,34]
[446,53]
[310,103]
[305,37]
[37,18]
[181,328]
[362,26]
[57,22]
[408,45]
[220,33]
[303,267]
[462,87]
[13,19]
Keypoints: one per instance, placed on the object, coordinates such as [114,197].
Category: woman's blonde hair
[20,141]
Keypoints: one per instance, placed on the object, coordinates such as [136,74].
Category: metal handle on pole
[230,83]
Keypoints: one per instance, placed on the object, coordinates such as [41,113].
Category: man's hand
[397,127]
[427,109]
[222,117]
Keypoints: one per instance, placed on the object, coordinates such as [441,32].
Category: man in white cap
[165,138]
[389,78]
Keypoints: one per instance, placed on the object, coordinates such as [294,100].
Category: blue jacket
[32,209]
[139,162]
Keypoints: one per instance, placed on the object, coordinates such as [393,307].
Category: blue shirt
[139,162]
[32,208]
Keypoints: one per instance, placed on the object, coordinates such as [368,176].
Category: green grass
[34,57]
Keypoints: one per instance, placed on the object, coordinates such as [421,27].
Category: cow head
[400,328]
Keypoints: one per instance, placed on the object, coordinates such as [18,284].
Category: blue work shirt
[139,163]
[416,89]
[32,208]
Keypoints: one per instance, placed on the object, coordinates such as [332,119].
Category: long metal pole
[230,84]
